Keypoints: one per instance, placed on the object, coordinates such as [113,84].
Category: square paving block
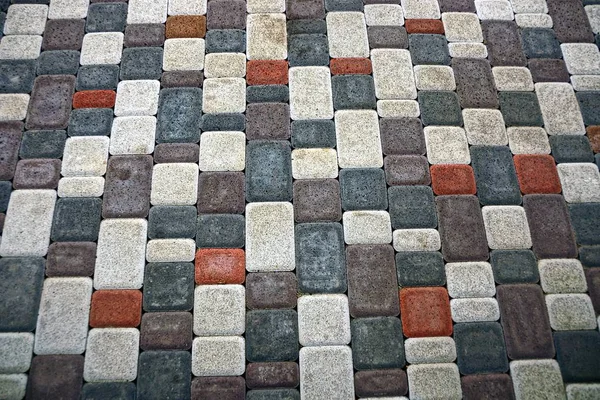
[267,121]
[537,174]
[480,348]
[76,219]
[141,63]
[218,356]
[578,355]
[219,310]
[271,335]
[548,70]
[402,136]
[323,320]
[514,266]
[412,207]
[317,200]
[353,92]
[428,49]
[421,376]
[440,108]
[377,343]
[220,231]
[363,189]
[17,76]
[585,221]
[308,49]
[166,331]
[63,34]
[470,280]
[228,14]
[448,179]
[168,287]
[218,266]
[420,269]
[540,43]
[164,374]
[446,145]
[106,17]
[221,193]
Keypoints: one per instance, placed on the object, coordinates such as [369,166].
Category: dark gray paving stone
[514,266]
[548,70]
[381,37]
[127,187]
[171,79]
[320,261]
[317,200]
[144,35]
[412,207]
[457,5]
[267,94]
[164,375]
[90,122]
[550,226]
[585,218]
[50,103]
[268,171]
[273,394]
[5,190]
[272,375]
[578,355]
[495,175]
[377,343]
[176,153]
[226,14]
[597,157]
[168,287]
[305,9]
[571,149]
[71,259]
[380,382]
[218,388]
[440,108]
[166,331]
[97,77]
[271,335]
[226,41]
[108,390]
[223,122]
[221,193]
[308,49]
[221,231]
[318,133]
[271,290]
[480,348]
[363,189]
[503,43]
[21,282]
[428,49]
[344,5]
[3,19]
[590,256]
[592,276]
[141,63]
[63,34]
[76,219]
[353,92]
[461,228]
[267,121]
[406,170]
[172,222]
[402,136]
[43,144]
[185,104]
[475,83]
[16,76]
[106,17]
[589,104]
[520,109]
[492,386]
[570,21]
[37,174]
[55,377]
[420,268]
[524,319]
[540,43]
[372,284]
[10,141]
[301,26]
[58,62]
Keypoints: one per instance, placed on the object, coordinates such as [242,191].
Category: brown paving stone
[271,290]
[55,377]
[226,14]
[267,121]
[402,136]
[570,21]
[221,193]
[127,187]
[182,79]
[503,43]
[381,382]
[372,282]
[2,218]
[176,153]
[305,9]
[267,72]
[10,142]
[593,134]
[548,70]
[37,173]
[185,26]
[218,387]
[71,259]
[524,319]
[350,66]
[406,170]
[383,37]
[592,276]
[537,173]
[144,35]
[94,99]
[448,179]
[317,200]
[63,34]
[272,375]
[116,308]
[487,386]
[220,266]
[424,26]
[425,312]
[457,5]
[50,103]
[475,83]
[166,331]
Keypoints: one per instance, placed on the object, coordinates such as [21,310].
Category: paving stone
[393,74]
[475,83]
[570,21]
[412,207]
[467,50]
[271,290]
[569,312]
[176,153]
[54,376]
[430,350]
[584,221]
[478,385]
[306,26]
[132,135]
[428,49]
[474,310]
[367,227]
[183,54]
[470,279]
[506,227]
[352,152]
[220,231]
[184,102]
[20,47]
[407,170]
[21,293]
[272,335]
[10,140]
[267,72]
[440,108]
[25,19]
[562,276]
[122,390]
[548,70]
[449,179]
[90,122]
[270,249]
[579,182]
[520,109]
[402,136]
[81,187]
[416,240]
[480,348]
[494,10]
[58,62]
[168,287]
[225,41]
[323,320]
[447,376]
[363,189]
[71,259]
[76,219]
[116,308]
[218,356]
[317,82]
[137,98]
[221,192]
[218,266]
[503,43]
[110,42]
[225,65]
[182,7]
[141,63]
[462,26]
[582,390]
[540,43]
[5,190]
[146,11]
[267,121]
[513,79]
[589,103]
[381,37]
[514,266]
[170,250]
[384,14]
[484,127]
[421,9]
[272,374]
[160,374]
[577,355]
[446,145]
[172,79]
[317,200]
[37,174]
[571,149]
[224,95]
[560,109]
[215,145]
[94,99]
[313,133]
[266,37]
[221,387]
[166,331]
[186,190]
[535,376]
[434,77]
[144,34]
[13,107]
[585,82]
[50,102]
[353,92]
[97,77]
[420,269]
[111,354]
[343,5]
[537,174]
[380,382]
[127,187]
[219,310]
[590,256]
[267,94]
[377,343]
[456,5]
[108,17]
[308,50]
[17,76]
[305,9]
[268,168]
[529,140]
[326,372]
[433,26]
[533,20]
[185,26]
[350,66]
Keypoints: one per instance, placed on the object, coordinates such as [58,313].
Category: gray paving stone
[585,222]
[495,175]
[571,149]
[223,122]
[423,268]
[271,335]
[407,170]
[308,49]
[127,189]
[141,63]
[76,219]
[218,356]
[343,5]
[377,343]
[353,92]
[531,377]
[589,104]
[5,189]
[268,171]
[21,289]
[540,43]
[571,312]
[219,310]
[184,193]
[110,17]
[402,136]
[267,121]
[577,355]
[514,266]
[225,41]
[412,207]
[446,376]
[111,355]
[475,83]
[440,108]
[90,122]
[163,374]
[144,34]
[305,9]
[480,348]
[326,372]
[474,310]
[50,102]
[121,390]
[16,76]
[168,287]
[520,109]
[428,49]
[13,385]
[267,94]
[393,37]
[528,140]
[302,26]
[186,103]
[363,189]
[273,394]
[97,77]
[313,133]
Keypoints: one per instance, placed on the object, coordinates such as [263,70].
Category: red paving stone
[350,66]
[452,179]
[267,72]
[537,174]
[424,26]
[116,308]
[94,99]
[425,312]
[185,26]
[593,134]
[220,266]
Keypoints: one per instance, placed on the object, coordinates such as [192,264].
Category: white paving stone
[174,184]
[484,127]
[583,391]
[147,11]
[434,77]
[593,14]
[494,9]
[62,324]
[314,163]
[225,65]
[224,95]
[462,27]
[101,48]
[514,79]
[467,50]
[111,355]
[393,74]
[417,240]
[506,227]
[430,350]
[132,135]
[560,108]
[367,227]
[170,250]
[15,352]
[184,54]
[529,6]
[310,93]
[137,98]
[326,373]
[68,9]
[398,108]
[219,310]
[121,254]
[534,21]
[26,19]
[187,7]
[570,312]
[421,9]
[474,310]
[384,14]
[265,6]
[218,356]
[85,156]
[270,237]
[222,151]
[266,37]
[445,376]
[323,320]
[446,145]
[13,387]
[28,223]
[584,83]
[358,139]
[537,378]
[19,47]
[78,186]
[528,140]
[13,106]
[581,58]
[580,182]
[562,276]
[470,279]
[347,34]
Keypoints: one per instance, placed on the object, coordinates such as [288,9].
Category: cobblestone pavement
[299,199]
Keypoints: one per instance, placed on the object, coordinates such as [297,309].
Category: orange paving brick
[537,173]
[424,26]
[350,66]
[425,312]
[94,99]
[593,134]
[215,266]
[267,72]
[452,179]
[185,26]
[116,308]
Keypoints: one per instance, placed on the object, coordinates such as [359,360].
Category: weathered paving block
[221,192]
[166,331]
[272,335]
[227,387]
[218,356]
[267,94]
[577,355]
[186,103]
[440,108]
[402,136]
[570,312]
[429,350]
[271,290]
[323,320]
[21,290]
[358,150]
[478,385]
[377,343]
[495,175]
[514,266]
[272,374]
[503,43]
[317,200]
[50,102]
[428,48]
[17,348]
[411,207]
[116,308]
[475,83]
[71,259]
[387,37]
[393,74]
[42,144]
[225,41]
[470,280]
[37,174]
[76,220]
[474,310]
[111,354]
[315,81]
[10,140]
[127,189]
[420,377]
[407,170]
[363,189]
[560,109]
[267,121]
[480,348]
[219,310]
[168,287]
[164,374]
[90,122]
[380,382]
[266,36]
[584,219]
[17,76]
[97,77]
[570,21]
[423,268]
[220,231]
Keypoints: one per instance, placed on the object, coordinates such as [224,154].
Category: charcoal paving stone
[268,171]
[402,136]
[343,5]
[63,34]
[305,9]
[571,149]
[144,35]
[353,92]
[176,153]
[590,256]
[10,140]
[272,375]
[503,43]
[380,382]
[186,104]
[440,108]
[90,122]
[406,170]
[457,6]
[127,188]
[55,376]
[570,21]
[50,103]
[171,79]
[273,394]
[116,390]
[220,231]
[16,76]
[226,14]
[106,17]
[317,200]
[412,207]
[520,109]
[585,219]
[540,43]
[37,174]
[420,268]
[221,192]
[493,386]
[271,335]
[71,259]
[589,104]
[267,121]
[267,94]
[514,266]
[475,83]
[308,49]
[226,41]
[20,293]
[377,343]
[166,331]
[76,219]
[306,26]
[223,122]
[97,77]
[318,133]
[164,374]
[480,348]
[387,37]
[219,387]
[141,63]
[548,70]
[168,287]
[495,175]
[363,189]
[5,189]
[428,49]
[578,355]
[271,290]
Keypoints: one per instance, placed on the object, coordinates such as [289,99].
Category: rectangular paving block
[268,171]
[503,43]
[17,350]
[393,74]
[127,188]
[164,374]
[266,37]
[10,140]
[218,356]
[560,109]
[421,376]
[50,102]
[430,350]
[186,104]
[326,372]
[358,139]
[495,175]
[570,21]
[537,376]
[475,83]
[111,355]
[55,376]
[310,93]
[272,374]
[20,292]
[347,35]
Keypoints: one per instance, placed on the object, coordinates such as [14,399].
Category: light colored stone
[515,79]
[398,109]
[92,186]
[529,6]
[13,387]
[434,77]
[446,145]
[20,47]
[314,163]
[85,156]
[393,74]
[417,240]
[462,27]
[219,310]
[174,184]
[224,95]
[28,223]
[26,19]
[445,376]
[506,227]
[560,108]
[310,93]
[494,9]
[367,227]
[15,352]
[562,276]
[421,9]
[430,350]
[580,182]
[222,151]
[583,391]
[121,254]
[135,98]
[534,21]
[111,355]
[467,50]
[323,320]
[147,11]
[535,379]
[584,83]
[484,127]
[13,106]
[347,34]
[132,135]
[581,58]
[528,140]
[358,140]
[183,54]
[68,9]
[270,237]
[326,373]
[218,356]
[474,310]
[470,279]
[170,250]
[101,48]
[266,37]
[225,65]
[265,6]
[187,7]
[62,324]
[593,14]
[384,14]
[570,312]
